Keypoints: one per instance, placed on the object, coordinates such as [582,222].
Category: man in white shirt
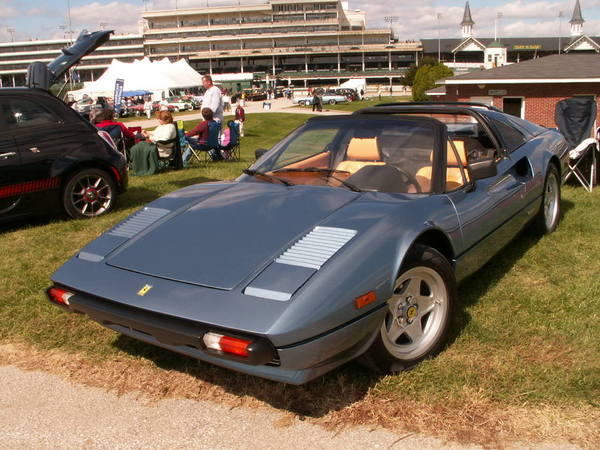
[212,98]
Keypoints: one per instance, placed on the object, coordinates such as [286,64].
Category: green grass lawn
[526,329]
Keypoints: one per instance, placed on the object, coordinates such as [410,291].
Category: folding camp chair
[212,142]
[174,160]
[583,159]
[231,151]
[116,133]
[575,118]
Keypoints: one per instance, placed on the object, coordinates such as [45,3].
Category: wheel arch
[101,165]
[554,160]
[438,240]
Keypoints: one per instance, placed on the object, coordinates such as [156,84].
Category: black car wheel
[549,214]
[89,193]
[332,102]
[301,102]
[418,316]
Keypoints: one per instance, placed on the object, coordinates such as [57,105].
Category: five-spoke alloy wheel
[549,215]
[418,314]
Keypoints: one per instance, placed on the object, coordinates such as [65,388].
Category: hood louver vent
[317,247]
[138,222]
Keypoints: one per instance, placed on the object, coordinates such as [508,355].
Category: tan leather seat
[454,177]
[361,152]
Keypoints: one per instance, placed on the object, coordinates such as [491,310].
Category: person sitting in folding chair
[145,155]
[207,140]
[230,147]
[104,119]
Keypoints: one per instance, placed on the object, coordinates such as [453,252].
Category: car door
[9,170]
[490,211]
[40,136]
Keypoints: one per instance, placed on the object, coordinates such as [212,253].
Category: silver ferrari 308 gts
[346,239]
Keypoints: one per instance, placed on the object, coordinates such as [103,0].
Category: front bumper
[293,364]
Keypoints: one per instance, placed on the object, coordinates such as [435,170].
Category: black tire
[301,102]
[416,324]
[89,193]
[332,102]
[548,217]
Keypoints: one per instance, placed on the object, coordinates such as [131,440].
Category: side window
[511,137]
[22,113]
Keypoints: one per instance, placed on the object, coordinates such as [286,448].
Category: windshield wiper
[263,174]
[329,173]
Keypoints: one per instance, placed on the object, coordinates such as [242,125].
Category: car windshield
[371,154]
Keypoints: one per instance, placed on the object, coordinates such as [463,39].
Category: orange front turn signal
[365,299]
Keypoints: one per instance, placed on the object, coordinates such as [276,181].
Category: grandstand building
[299,40]
[15,57]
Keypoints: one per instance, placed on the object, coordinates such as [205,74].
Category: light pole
[69,20]
[12,34]
[498,17]
[391,20]
[439,18]
[560,16]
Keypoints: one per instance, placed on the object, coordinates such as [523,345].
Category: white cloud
[519,18]
[6,9]
[119,16]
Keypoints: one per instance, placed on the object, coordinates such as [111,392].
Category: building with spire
[474,53]
[467,23]
[576,21]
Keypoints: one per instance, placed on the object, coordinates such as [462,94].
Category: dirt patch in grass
[333,403]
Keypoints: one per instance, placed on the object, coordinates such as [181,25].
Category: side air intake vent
[317,247]
[138,222]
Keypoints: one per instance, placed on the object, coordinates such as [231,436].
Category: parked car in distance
[255,95]
[179,104]
[51,158]
[328,98]
[356,230]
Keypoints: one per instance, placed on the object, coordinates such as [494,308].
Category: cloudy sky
[44,19]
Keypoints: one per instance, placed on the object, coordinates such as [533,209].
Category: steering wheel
[409,179]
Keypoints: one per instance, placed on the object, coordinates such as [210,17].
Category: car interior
[393,156]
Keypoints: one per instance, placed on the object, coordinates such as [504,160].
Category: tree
[409,76]
[425,79]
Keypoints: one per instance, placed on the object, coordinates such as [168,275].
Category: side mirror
[259,152]
[483,169]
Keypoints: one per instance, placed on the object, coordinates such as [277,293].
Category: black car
[50,157]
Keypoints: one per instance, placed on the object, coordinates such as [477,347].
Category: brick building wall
[539,99]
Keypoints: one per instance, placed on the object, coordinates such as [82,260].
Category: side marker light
[365,299]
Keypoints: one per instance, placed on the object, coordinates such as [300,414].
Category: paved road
[39,410]
[278,105]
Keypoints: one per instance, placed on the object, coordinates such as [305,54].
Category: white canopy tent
[155,76]
[355,83]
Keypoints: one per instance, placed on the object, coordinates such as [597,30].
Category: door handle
[7,155]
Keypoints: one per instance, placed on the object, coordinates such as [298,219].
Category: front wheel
[332,102]
[89,193]
[418,315]
[549,214]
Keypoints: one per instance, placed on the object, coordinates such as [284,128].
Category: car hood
[231,235]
